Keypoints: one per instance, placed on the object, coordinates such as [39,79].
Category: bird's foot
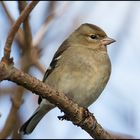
[64,117]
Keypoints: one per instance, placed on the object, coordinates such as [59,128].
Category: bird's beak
[107,41]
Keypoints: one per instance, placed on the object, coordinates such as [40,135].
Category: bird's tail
[32,122]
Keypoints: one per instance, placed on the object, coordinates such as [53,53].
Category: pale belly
[82,87]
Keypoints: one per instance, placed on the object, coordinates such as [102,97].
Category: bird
[80,68]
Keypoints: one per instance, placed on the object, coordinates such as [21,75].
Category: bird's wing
[56,57]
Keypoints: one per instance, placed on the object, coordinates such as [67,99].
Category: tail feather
[32,122]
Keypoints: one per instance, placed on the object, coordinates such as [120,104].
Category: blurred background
[118,108]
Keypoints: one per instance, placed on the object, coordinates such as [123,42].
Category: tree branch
[11,119]
[51,16]
[40,34]
[26,27]
[11,19]
[19,37]
[33,52]
[15,134]
[6,91]
[40,67]
[14,29]
[78,115]
[17,98]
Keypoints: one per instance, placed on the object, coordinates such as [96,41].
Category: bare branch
[40,34]
[40,67]
[52,14]
[11,19]
[11,120]
[17,98]
[26,27]
[5,91]
[19,37]
[78,115]
[11,35]
[15,134]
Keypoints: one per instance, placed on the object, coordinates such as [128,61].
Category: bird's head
[91,36]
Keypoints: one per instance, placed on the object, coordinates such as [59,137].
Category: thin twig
[5,91]
[11,119]
[19,37]
[15,134]
[10,17]
[53,13]
[40,34]
[26,27]
[40,67]
[15,27]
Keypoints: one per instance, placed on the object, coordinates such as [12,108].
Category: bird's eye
[93,36]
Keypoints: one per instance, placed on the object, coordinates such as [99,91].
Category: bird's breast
[81,75]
